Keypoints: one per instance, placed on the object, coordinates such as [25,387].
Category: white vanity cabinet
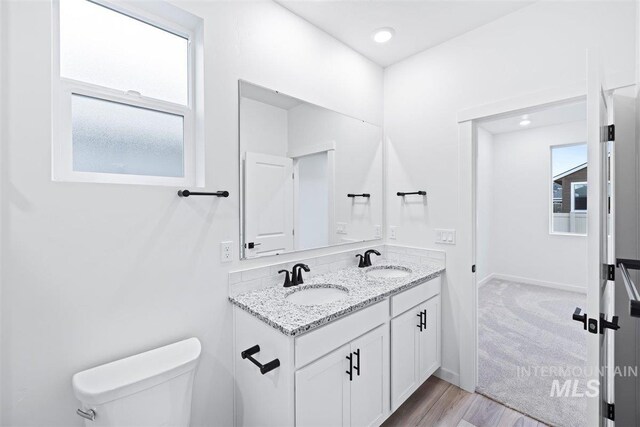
[415,342]
[352,371]
[348,386]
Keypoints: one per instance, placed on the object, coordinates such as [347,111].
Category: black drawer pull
[350,371]
[267,367]
[423,320]
[357,368]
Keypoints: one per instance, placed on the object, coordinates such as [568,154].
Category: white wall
[95,272]
[536,48]
[263,128]
[518,243]
[312,201]
[484,188]
[358,164]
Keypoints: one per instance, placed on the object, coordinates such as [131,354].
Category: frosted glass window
[110,137]
[106,48]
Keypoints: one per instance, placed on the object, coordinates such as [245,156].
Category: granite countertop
[270,305]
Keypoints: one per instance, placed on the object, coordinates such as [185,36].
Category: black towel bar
[269,366]
[419,193]
[187,193]
[632,291]
[359,195]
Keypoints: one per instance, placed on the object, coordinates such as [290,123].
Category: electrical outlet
[392,232]
[446,237]
[225,251]
[378,232]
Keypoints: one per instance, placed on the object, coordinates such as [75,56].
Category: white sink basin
[317,294]
[388,272]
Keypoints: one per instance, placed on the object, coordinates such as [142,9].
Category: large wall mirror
[309,177]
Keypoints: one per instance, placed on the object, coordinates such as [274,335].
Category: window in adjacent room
[125,94]
[569,189]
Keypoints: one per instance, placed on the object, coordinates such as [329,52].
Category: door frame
[467,167]
[467,214]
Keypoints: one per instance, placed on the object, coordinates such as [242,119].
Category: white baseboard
[527,281]
[486,279]
[449,376]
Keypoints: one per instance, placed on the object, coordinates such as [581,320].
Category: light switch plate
[392,232]
[378,231]
[446,237]
[341,228]
[225,251]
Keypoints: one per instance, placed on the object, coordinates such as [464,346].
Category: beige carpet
[522,328]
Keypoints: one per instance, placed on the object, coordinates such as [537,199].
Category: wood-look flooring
[438,403]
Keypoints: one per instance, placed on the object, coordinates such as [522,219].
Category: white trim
[486,280]
[524,102]
[467,215]
[535,282]
[448,376]
[573,184]
[168,18]
[542,98]
[311,149]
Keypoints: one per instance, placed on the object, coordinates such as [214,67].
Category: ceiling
[555,115]
[418,24]
[268,96]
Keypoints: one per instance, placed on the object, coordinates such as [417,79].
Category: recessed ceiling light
[383,35]
[525,121]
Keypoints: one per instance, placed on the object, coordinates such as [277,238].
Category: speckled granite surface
[270,305]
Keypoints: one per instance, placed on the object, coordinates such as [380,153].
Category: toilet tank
[149,389]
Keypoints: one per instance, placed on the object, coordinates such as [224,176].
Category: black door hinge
[473,268]
[611,272]
[609,411]
[611,133]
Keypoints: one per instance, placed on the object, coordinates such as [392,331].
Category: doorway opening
[531,257]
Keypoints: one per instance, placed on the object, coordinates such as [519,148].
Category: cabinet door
[322,391]
[404,356]
[429,359]
[370,384]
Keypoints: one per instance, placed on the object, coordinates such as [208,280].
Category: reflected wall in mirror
[298,164]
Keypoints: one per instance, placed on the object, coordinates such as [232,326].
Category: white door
[429,339]
[268,201]
[405,331]
[599,290]
[370,381]
[322,391]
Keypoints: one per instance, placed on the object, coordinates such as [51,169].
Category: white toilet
[148,389]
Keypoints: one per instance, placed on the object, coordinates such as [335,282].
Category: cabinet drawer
[309,347]
[411,297]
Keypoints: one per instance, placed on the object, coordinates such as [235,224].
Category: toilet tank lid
[133,374]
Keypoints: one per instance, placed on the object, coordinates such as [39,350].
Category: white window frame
[63,89]
[550,210]
[573,201]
